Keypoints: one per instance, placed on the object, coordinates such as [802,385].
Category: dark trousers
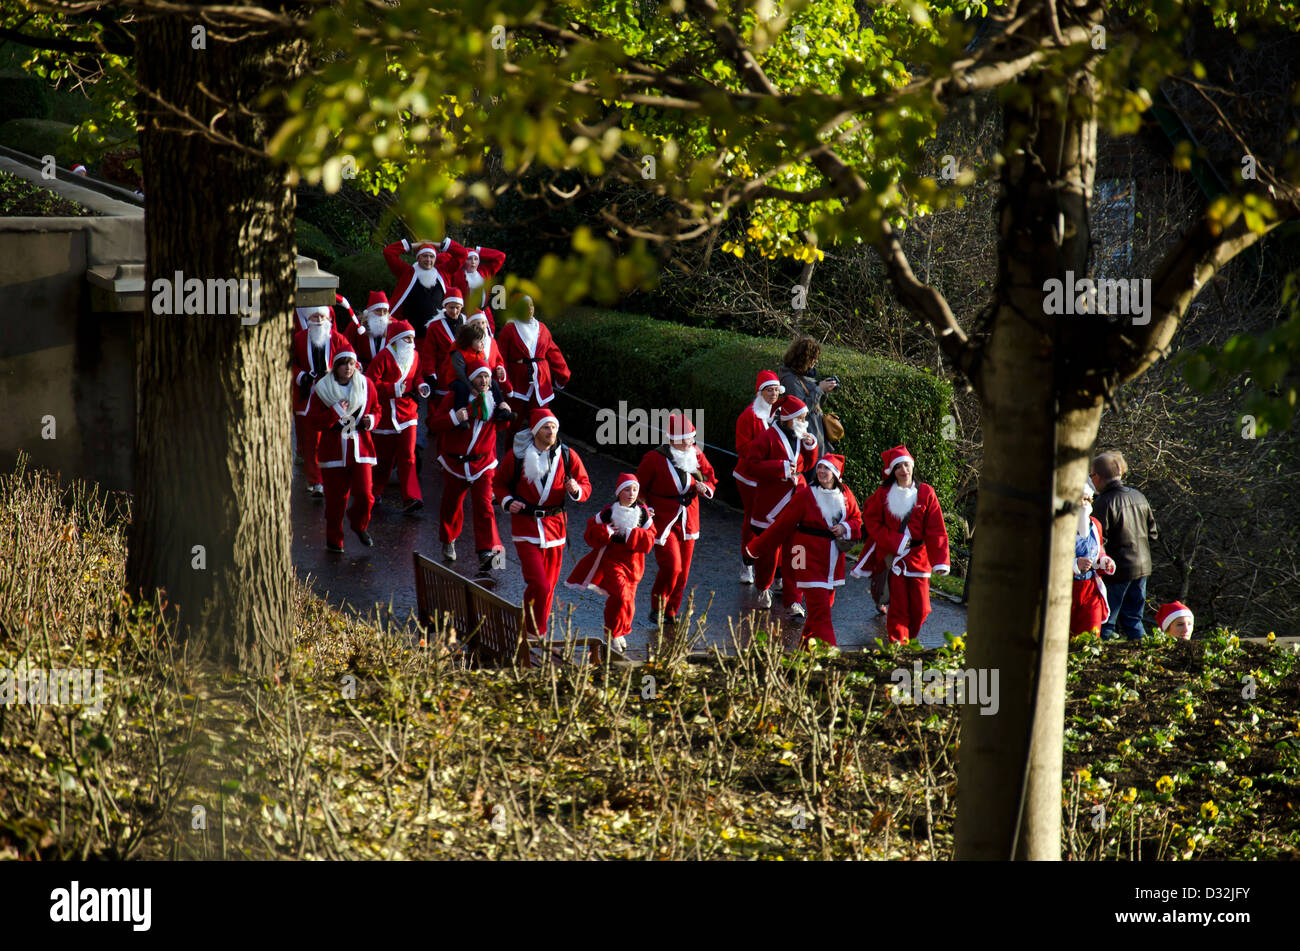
[1128,601]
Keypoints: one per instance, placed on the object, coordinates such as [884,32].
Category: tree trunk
[212,451]
[1039,413]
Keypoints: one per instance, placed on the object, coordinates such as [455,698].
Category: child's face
[628,495]
[1181,628]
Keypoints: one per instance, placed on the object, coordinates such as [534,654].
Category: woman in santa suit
[314,349]
[1089,607]
[395,372]
[908,540]
[533,361]
[467,452]
[533,482]
[344,406]
[422,290]
[753,420]
[776,460]
[620,534]
[481,265]
[370,335]
[811,524]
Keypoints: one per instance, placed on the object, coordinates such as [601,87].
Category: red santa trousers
[308,444]
[819,602]
[342,482]
[451,514]
[746,529]
[541,567]
[399,448]
[765,573]
[1088,609]
[674,560]
[620,606]
[909,606]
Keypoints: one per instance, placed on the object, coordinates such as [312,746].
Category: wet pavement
[363,578]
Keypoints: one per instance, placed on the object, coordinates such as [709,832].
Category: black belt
[459,458]
[543,513]
[529,359]
[817,532]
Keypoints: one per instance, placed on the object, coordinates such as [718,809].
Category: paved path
[364,577]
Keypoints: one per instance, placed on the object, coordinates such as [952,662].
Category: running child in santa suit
[673,477]
[344,406]
[481,265]
[816,517]
[467,452]
[533,482]
[776,460]
[1176,620]
[535,364]
[620,534]
[755,419]
[908,540]
[1089,606]
[395,373]
[422,290]
[314,349]
[370,335]
[474,341]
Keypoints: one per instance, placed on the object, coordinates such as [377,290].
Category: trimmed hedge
[312,243]
[359,274]
[656,364]
[40,137]
[23,97]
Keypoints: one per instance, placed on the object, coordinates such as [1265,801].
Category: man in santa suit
[533,482]
[481,265]
[620,534]
[421,290]
[533,361]
[344,406]
[1089,607]
[673,477]
[908,541]
[440,339]
[370,335]
[817,517]
[303,313]
[776,460]
[754,419]
[467,452]
[314,349]
[395,373]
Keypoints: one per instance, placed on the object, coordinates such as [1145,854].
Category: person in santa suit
[314,349]
[370,335]
[481,265]
[533,482]
[815,520]
[776,459]
[467,452]
[1089,606]
[395,373]
[754,419]
[535,364]
[908,540]
[1176,620]
[440,339]
[673,477]
[303,313]
[344,406]
[620,534]
[473,341]
[421,290]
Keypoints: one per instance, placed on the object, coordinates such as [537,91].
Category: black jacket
[1128,528]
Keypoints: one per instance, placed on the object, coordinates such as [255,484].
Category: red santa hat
[539,418]
[398,329]
[892,457]
[478,315]
[624,480]
[834,463]
[1171,612]
[425,247]
[78,169]
[307,313]
[792,406]
[474,366]
[453,297]
[377,299]
[341,355]
[765,379]
[474,252]
[679,427]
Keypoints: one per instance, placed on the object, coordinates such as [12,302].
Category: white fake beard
[426,276]
[900,501]
[762,410]
[473,278]
[831,504]
[624,518]
[536,466]
[1085,515]
[404,354]
[318,334]
[799,427]
[683,458]
[377,325]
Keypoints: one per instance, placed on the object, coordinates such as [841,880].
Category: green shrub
[359,274]
[312,243]
[40,137]
[23,97]
[657,364]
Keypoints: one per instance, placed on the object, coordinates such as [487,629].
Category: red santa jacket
[673,494]
[802,522]
[366,346]
[771,461]
[890,546]
[449,262]
[466,449]
[490,263]
[597,569]
[545,530]
[337,447]
[435,346]
[533,371]
[447,372]
[304,366]
[397,412]
[748,426]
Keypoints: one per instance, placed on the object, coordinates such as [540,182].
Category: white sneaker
[620,644]
[765,598]
[796,610]
[747,574]
[449,551]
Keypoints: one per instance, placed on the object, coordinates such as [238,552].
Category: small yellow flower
[1125,746]
[1271,637]
[1085,776]
[1234,641]
[958,643]
[1130,795]
[1209,810]
[1188,711]
[1245,782]
[1164,784]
